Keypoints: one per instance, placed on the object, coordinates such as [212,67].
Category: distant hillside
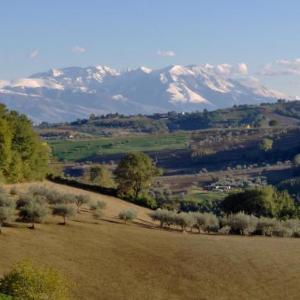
[252,116]
[70,93]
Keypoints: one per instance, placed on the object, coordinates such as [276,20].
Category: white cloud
[166,53]
[78,49]
[119,97]
[34,54]
[281,67]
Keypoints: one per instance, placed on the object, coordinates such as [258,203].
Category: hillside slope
[110,260]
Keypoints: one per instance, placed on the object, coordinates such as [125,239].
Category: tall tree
[135,173]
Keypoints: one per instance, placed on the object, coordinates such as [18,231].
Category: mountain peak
[64,94]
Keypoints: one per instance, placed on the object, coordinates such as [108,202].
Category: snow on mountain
[35,83]
[69,93]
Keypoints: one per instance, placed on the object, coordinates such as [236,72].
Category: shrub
[266,201]
[127,215]
[242,223]
[33,211]
[13,191]
[183,220]
[64,210]
[81,200]
[225,230]
[5,297]
[25,199]
[206,221]
[98,213]
[265,226]
[281,230]
[7,209]
[29,282]
[163,216]
[97,205]
[294,225]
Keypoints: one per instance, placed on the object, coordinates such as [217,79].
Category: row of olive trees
[39,202]
[239,223]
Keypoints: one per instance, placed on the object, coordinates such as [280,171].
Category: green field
[73,150]
[197,195]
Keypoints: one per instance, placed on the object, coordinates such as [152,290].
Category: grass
[110,260]
[83,149]
[197,195]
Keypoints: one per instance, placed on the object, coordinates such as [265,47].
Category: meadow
[75,150]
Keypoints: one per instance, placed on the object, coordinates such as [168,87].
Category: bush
[27,198]
[29,282]
[183,220]
[127,215]
[97,205]
[293,225]
[206,221]
[225,230]
[242,223]
[5,297]
[13,191]
[51,196]
[33,211]
[163,216]
[98,213]
[281,230]
[64,210]
[7,209]
[266,201]
[81,200]
[265,226]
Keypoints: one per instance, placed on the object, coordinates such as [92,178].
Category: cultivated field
[110,260]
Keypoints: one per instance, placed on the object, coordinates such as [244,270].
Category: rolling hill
[140,261]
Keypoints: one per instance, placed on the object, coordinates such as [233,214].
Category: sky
[263,35]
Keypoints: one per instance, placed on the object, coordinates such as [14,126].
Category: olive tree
[81,200]
[206,221]
[64,210]
[266,145]
[34,211]
[127,215]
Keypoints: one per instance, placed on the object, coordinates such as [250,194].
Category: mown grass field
[110,260]
[83,149]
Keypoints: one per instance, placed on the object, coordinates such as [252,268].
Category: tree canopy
[134,174]
[23,156]
[266,201]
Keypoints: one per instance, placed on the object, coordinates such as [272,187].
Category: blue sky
[264,34]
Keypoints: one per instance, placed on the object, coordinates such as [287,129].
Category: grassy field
[198,195]
[77,150]
[110,260]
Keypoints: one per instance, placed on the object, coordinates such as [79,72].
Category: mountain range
[66,94]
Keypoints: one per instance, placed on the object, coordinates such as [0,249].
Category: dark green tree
[101,176]
[135,173]
[23,156]
[266,201]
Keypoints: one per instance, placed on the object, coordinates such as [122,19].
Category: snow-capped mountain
[70,93]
